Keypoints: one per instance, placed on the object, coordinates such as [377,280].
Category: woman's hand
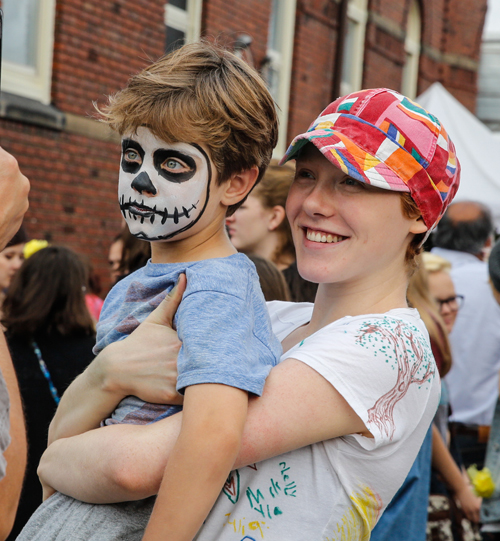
[144,364]
[469,502]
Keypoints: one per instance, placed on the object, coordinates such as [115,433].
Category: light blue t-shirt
[222,322]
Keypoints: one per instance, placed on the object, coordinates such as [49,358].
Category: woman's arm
[446,466]
[124,462]
[144,364]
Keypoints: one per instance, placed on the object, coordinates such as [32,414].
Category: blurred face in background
[442,289]
[11,259]
[114,259]
[253,228]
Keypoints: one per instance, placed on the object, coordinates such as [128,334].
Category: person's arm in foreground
[14,189]
[15,454]
[446,466]
[205,451]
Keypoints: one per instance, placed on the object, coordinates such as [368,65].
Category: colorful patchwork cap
[380,137]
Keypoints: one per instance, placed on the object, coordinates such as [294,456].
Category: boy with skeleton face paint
[198,128]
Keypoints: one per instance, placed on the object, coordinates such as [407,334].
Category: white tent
[477,149]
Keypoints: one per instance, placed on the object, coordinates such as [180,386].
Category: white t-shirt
[383,366]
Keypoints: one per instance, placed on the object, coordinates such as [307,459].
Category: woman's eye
[351,182]
[303,174]
[132,155]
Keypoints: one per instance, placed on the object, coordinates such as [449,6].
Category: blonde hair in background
[419,297]
[435,263]
[204,94]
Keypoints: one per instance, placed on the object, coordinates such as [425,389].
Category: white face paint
[163,188]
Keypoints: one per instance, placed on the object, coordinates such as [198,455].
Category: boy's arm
[209,441]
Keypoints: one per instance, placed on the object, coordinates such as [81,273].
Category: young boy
[198,128]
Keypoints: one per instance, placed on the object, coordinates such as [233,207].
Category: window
[183,22]
[354,47]
[278,69]
[28,40]
[412,52]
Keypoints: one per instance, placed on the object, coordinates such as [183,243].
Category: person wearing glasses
[464,238]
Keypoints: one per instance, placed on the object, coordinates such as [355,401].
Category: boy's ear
[239,185]
[418,226]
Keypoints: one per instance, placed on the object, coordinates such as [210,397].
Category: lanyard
[45,372]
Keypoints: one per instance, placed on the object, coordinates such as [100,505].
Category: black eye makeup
[132,156]
[173,165]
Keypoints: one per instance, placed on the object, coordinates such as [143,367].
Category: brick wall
[100,43]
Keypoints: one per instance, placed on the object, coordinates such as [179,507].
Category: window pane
[182,4]
[348,58]
[175,39]
[20,31]
[276,27]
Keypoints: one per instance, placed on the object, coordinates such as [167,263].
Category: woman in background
[50,333]
[11,259]
[260,225]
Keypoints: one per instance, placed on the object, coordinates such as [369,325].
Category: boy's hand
[145,363]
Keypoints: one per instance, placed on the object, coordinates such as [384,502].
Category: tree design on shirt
[409,353]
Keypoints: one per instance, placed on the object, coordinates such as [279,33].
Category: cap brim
[346,155]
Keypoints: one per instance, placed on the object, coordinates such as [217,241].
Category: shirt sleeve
[219,344]
[384,369]
[4,424]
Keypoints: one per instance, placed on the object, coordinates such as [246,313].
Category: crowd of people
[349,406]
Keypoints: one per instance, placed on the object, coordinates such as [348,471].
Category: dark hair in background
[21,237]
[494,266]
[135,252]
[48,294]
[300,290]
[271,279]
[464,236]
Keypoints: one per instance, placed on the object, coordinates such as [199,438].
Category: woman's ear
[277,216]
[418,226]
[239,186]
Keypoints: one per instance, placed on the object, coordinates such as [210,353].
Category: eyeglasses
[453,303]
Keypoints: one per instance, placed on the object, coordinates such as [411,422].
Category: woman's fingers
[165,312]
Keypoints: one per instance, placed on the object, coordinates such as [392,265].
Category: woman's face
[249,226]
[442,289]
[345,230]
[11,259]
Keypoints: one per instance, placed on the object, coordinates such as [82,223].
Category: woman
[50,334]
[260,226]
[11,259]
[349,405]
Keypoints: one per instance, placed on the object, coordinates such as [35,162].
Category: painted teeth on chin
[165,216]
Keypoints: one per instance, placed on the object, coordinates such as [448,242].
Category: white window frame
[281,62]
[357,12]
[35,83]
[409,81]
[187,21]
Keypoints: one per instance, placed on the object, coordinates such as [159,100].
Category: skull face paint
[163,188]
